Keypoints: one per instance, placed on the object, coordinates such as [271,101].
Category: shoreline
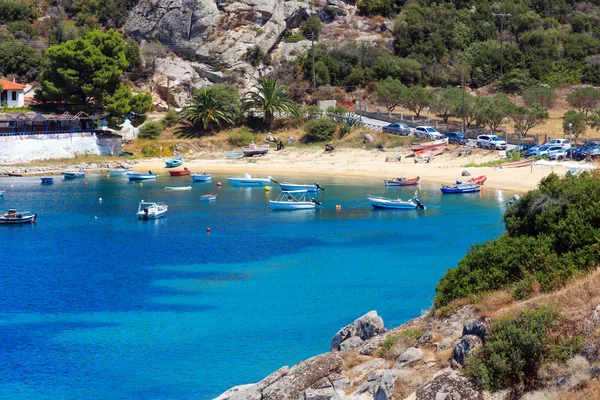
[345,162]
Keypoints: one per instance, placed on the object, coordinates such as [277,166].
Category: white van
[559,142]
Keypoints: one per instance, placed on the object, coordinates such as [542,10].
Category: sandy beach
[367,163]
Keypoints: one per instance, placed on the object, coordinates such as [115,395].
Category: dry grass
[589,391]
[352,358]
[489,303]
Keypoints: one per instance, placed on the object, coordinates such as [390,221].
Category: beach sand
[368,163]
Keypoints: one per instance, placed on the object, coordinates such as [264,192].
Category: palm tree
[269,98]
[205,110]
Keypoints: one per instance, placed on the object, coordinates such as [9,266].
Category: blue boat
[47,181]
[458,188]
[141,177]
[175,162]
[204,177]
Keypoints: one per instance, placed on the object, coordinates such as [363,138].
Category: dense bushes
[240,138]
[150,130]
[551,235]
[11,10]
[517,348]
[319,130]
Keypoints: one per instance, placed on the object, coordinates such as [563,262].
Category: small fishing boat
[430,152]
[478,180]
[398,204]
[402,181]
[208,197]
[178,188]
[74,174]
[204,177]
[175,162]
[290,187]
[517,164]
[460,187]
[428,145]
[120,172]
[294,200]
[249,181]
[254,150]
[151,210]
[180,172]
[47,180]
[141,177]
[18,217]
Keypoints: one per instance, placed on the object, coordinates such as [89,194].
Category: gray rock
[253,391]
[595,317]
[385,387]
[302,376]
[444,344]
[448,385]
[465,346]
[381,381]
[590,351]
[365,327]
[367,368]
[594,372]
[478,327]
[426,339]
[351,343]
[410,356]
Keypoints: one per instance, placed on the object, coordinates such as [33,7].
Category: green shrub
[414,334]
[514,351]
[292,37]
[344,130]
[387,346]
[170,119]
[319,130]
[150,130]
[149,151]
[240,138]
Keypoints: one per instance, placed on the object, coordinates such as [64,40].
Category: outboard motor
[145,213]
[319,187]
[420,206]
[315,201]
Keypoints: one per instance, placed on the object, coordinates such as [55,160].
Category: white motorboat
[178,188]
[151,210]
[248,181]
[294,200]
[287,186]
[398,204]
[18,217]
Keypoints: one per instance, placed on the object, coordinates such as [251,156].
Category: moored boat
[151,210]
[517,164]
[204,177]
[18,217]
[180,172]
[402,181]
[208,197]
[294,200]
[398,204]
[254,150]
[141,177]
[47,180]
[175,162]
[289,187]
[457,188]
[178,188]
[427,145]
[249,181]
[74,174]
[478,180]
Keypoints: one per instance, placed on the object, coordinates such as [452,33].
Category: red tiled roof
[8,85]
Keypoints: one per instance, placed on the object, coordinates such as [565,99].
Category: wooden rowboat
[517,164]
[428,145]
[401,181]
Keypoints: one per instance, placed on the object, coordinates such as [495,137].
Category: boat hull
[179,173]
[292,205]
[249,182]
[178,188]
[405,182]
[27,219]
[118,172]
[73,175]
[428,145]
[47,181]
[141,177]
[383,203]
[208,197]
[252,153]
[517,164]
[201,177]
[176,162]
[286,187]
[450,190]
[156,215]
[479,180]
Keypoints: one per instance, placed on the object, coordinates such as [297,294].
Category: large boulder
[365,327]
[448,385]
[478,327]
[253,391]
[464,347]
[410,356]
[302,376]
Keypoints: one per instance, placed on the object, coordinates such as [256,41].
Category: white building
[12,94]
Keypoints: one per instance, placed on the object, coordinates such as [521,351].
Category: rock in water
[365,327]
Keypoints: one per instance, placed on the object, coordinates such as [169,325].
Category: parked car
[520,148]
[578,153]
[559,142]
[397,128]
[456,138]
[532,151]
[546,149]
[594,152]
[427,132]
[561,154]
[491,142]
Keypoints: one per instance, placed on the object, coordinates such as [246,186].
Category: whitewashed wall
[15,149]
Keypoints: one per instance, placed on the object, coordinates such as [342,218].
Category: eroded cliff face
[217,32]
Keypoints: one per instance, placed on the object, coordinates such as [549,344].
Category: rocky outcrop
[410,356]
[478,327]
[365,327]
[464,347]
[448,385]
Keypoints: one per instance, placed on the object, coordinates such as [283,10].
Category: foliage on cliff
[551,235]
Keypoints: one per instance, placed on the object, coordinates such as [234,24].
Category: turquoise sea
[95,304]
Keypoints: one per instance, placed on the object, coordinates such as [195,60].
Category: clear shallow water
[116,308]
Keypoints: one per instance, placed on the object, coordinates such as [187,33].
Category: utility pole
[168,93]
[501,16]
[462,85]
[357,109]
